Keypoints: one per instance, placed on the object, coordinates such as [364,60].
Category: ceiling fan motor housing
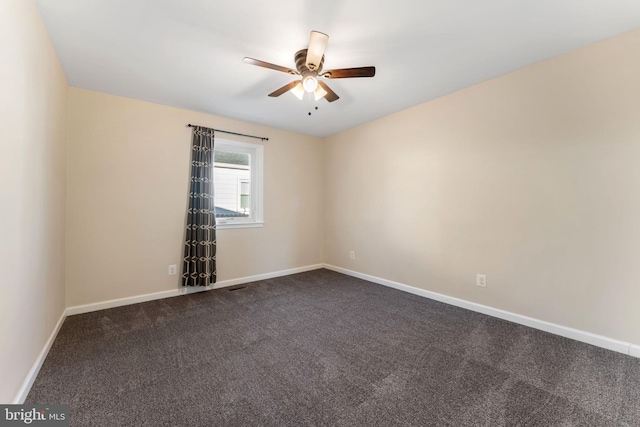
[301,63]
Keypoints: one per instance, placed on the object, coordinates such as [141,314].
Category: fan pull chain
[316,107]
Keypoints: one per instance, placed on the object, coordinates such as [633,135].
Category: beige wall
[33,94]
[532,178]
[128,169]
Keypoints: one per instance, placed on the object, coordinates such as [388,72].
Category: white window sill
[222,226]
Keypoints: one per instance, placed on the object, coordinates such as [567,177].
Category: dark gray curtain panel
[199,267]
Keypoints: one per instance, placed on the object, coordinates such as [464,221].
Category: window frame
[256,188]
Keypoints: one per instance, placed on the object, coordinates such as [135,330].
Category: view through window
[231,177]
[237,181]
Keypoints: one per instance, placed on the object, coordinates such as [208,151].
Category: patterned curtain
[199,267]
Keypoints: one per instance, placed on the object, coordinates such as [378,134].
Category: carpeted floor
[325,349]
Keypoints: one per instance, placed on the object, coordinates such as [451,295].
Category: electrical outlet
[481,280]
[173,270]
[352,254]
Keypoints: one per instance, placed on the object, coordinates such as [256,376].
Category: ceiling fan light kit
[309,64]
[298,91]
[310,83]
[319,93]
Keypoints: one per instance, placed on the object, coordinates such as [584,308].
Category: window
[237,178]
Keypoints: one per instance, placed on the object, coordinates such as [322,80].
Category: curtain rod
[231,133]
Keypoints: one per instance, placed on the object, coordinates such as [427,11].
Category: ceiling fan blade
[317,45]
[285,88]
[344,73]
[331,95]
[269,65]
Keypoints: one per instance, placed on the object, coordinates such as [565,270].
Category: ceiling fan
[309,64]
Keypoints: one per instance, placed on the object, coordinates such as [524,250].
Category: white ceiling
[188,53]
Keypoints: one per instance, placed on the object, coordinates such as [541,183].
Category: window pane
[230,172]
[244,201]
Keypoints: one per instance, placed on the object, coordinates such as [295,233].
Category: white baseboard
[266,276]
[86,308]
[33,372]
[564,331]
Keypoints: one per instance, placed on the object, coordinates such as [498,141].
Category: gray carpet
[325,349]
